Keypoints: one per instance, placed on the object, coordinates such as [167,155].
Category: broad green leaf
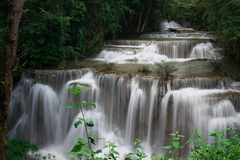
[77,123]
[76,91]
[91,140]
[213,135]
[105,147]
[167,147]
[199,132]
[98,151]
[115,152]
[90,123]
[72,106]
[190,140]
[175,144]
[77,147]
[88,104]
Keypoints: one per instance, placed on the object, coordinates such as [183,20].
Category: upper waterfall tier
[172,43]
[150,51]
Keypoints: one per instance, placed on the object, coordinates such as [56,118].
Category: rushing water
[128,107]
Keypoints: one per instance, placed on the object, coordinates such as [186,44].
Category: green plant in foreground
[112,154]
[136,154]
[221,148]
[175,145]
[19,149]
[83,149]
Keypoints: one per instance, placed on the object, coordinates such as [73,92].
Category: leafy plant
[164,68]
[108,65]
[112,154]
[136,154]
[221,147]
[83,149]
[174,146]
[145,68]
[19,149]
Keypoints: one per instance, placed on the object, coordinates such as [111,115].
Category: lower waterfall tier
[127,108]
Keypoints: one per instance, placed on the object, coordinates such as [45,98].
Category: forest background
[52,31]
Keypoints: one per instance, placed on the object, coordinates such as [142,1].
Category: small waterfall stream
[128,107]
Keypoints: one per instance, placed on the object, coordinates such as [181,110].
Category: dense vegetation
[53,31]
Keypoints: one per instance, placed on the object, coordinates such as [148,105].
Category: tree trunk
[140,19]
[146,18]
[15,10]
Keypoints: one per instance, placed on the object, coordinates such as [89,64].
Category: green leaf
[176,144]
[90,124]
[105,147]
[213,135]
[77,147]
[72,106]
[91,140]
[76,91]
[88,104]
[98,151]
[115,152]
[190,140]
[77,123]
[167,147]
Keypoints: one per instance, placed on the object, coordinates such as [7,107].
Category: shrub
[145,69]
[165,69]
[108,65]
[19,149]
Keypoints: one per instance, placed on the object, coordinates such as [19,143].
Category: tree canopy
[53,31]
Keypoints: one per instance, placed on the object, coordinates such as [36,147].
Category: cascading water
[126,109]
[165,25]
[183,44]
[128,106]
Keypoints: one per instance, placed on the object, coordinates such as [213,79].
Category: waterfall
[165,25]
[145,51]
[127,108]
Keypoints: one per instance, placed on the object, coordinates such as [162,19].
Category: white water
[126,109]
[155,47]
[156,51]
[165,25]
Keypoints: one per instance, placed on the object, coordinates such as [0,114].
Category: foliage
[222,147]
[136,154]
[224,17]
[83,149]
[112,154]
[174,146]
[19,149]
[145,68]
[165,69]
[108,65]
[54,31]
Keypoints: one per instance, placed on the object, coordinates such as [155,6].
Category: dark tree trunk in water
[15,10]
